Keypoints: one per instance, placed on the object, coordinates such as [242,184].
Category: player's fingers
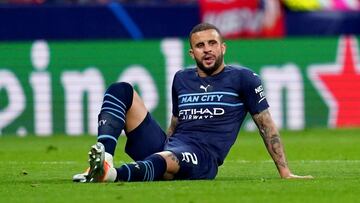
[306,177]
[299,177]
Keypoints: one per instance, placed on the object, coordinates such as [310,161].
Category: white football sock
[109,159]
[111,175]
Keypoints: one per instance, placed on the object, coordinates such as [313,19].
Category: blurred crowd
[92,2]
[295,5]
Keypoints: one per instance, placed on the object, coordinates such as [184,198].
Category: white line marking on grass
[40,162]
[296,161]
[226,161]
[326,161]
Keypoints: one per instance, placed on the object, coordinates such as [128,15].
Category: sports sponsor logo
[202,113]
[205,88]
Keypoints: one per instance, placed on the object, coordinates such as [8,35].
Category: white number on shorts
[187,156]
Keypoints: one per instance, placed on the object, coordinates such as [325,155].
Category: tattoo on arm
[173,124]
[271,138]
[173,158]
[278,150]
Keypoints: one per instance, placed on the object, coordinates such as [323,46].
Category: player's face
[207,49]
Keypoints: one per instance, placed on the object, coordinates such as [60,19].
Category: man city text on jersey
[204,105]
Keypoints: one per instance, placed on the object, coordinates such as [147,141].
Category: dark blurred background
[149,19]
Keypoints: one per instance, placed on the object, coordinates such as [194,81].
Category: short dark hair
[204,26]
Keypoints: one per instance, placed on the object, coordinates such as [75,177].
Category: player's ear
[223,47]
[191,53]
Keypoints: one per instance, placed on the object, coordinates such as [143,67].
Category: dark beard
[210,70]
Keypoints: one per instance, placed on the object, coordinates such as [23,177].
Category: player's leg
[158,166]
[143,144]
[122,108]
[144,138]
[179,160]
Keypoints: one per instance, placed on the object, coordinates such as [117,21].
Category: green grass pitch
[34,169]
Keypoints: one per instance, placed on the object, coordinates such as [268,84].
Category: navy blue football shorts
[148,138]
[195,162]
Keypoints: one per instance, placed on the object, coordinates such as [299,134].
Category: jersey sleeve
[175,107]
[254,95]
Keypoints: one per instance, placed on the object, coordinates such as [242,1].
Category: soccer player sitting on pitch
[210,103]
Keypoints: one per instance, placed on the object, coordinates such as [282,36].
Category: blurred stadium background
[58,56]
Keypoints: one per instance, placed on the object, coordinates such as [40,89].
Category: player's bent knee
[122,91]
[119,85]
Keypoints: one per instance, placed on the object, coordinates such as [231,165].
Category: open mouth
[208,59]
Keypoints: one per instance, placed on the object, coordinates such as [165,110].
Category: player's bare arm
[271,137]
[172,161]
[272,141]
[173,123]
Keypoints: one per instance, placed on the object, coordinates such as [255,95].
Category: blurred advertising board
[242,18]
[56,87]
[326,5]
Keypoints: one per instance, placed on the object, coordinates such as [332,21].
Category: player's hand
[293,176]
